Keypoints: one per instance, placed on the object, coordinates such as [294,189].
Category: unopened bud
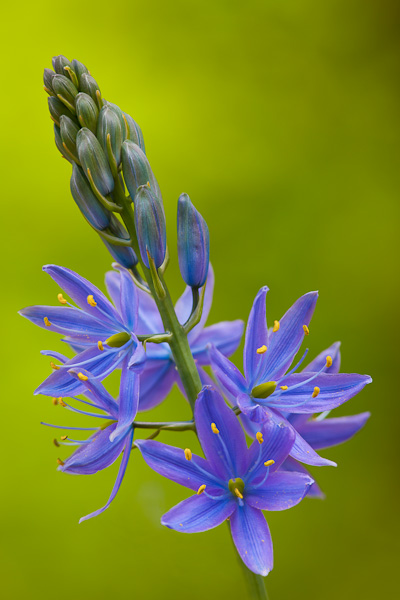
[109,124]
[78,68]
[92,157]
[135,133]
[59,143]
[69,132]
[136,169]
[57,108]
[59,62]
[89,85]
[193,243]
[88,204]
[124,255]
[86,111]
[48,75]
[150,226]
[65,90]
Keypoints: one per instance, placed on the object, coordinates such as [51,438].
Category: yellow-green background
[281,120]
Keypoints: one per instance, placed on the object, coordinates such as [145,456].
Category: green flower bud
[86,111]
[135,133]
[93,211]
[69,131]
[89,85]
[57,108]
[136,169]
[79,69]
[124,255]
[94,162]
[47,80]
[59,144]
[65,90]
[59,62]
[109,124]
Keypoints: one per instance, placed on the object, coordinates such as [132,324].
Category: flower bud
[92,210]
[69,132]
[136,169]
[86,111]
[150,226]
[89,85]
[109,124]
[78,68]
[65,90]
[122,254]
[48,75]
[59,143]
[57,108]
[193,243]
[92,157]
[135,133]
[59,62]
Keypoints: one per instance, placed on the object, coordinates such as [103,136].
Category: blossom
[103,336]
[268,390]
[234,482]
[160,371]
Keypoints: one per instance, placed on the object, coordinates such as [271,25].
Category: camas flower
[235,482]
[103,336]
[269,390]
[160,371]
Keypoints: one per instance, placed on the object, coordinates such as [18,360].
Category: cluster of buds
[106,149]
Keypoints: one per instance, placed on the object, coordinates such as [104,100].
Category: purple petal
[278,441]
[96,392]
[149,320]
[120,476]
[284,343]
[256,337]
[227,373]
[129,302]
[93,457]
[320,361]
[305,453]
[112,281]
[225,336]
[183,307]
[226,450]
[156,382]
[252,539]
[198,513]
[57,355]
[331,432]
[292,465]
[280,491]
[170,462]
[128,401]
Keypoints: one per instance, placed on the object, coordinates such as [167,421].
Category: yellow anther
[262,349]
[54,366]
[56,443]
[82,377]
[259,437]
[328,361]
[63,438]
[284,387]
[188,454]
[214,428]
[238,494]
[100,345]
[306,330]
[91,301]
[61,299]
[61,402]
[60,462]
[46,322]
[148,184]
[276,326]
[54,401]
[268,463]
[201,489]
[316,392]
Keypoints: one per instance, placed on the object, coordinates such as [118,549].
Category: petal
[129,302]
[96,392]
[320,361]
[93,457]
[120,476]
[149,320]
[226,450]
[198,513]
[156,382]
[305,453]
[170,462]
[69,321]
[79,289]
[331,432]
[284,343]
[183,307]
[227,373]
[252,539]
[225,336]
[112,281]
[128,401]
[256,337]
[280,491]
[291,464]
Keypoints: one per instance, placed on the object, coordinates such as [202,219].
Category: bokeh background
[281,120]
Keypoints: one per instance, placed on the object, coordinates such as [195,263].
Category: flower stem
[255,583]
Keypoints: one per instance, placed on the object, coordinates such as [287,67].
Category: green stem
[166,425]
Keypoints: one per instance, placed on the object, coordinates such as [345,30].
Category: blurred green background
[281,120]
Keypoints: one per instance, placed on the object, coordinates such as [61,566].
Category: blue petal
[280,491]
[96,392]
[331,432]
[252,539]
[156,382]
[227,373]
[149,320]
[93,457]
[198,513]
[225,336]
[129,301]
[320,361]
[256,337]
[112,280]
[292,465]
[305,453]
[128,400]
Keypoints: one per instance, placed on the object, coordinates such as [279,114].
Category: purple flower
[234,482]
[269,390]
[103,336]
[160,372]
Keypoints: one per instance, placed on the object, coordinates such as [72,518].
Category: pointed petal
[198,513]
[284,343]
[156,382]
[226,450]
[183,306]
[57,355]
[225,336]
[278,441]
[320,361]
[128,401]
[120,476]
[112,281]
[96,392]
[331,432]
[93,457]
[305,453]
[252,539]
[149,320]
[227,373]
[280,491]
[256,337]
[291,464]
[129,301]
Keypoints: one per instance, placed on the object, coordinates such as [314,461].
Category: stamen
[188,454]
[61,299]
[54,401]
[60,462]
[214,428]
[316,392]
[64,437]
[276,326]
[262,349]
[328,361]
[201,489]
[100,345]
[91,301]
[148,184]
[284,387]
[57,445]
[61,402]
[238,494]
[268,463]
[54,366]
[46,322]
[82,377]
[259,437]
[306,330]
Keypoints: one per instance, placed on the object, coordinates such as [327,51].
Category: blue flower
[235,482]
[269,390]
[103,336]
[160,371]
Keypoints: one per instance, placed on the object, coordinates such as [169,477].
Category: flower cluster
[277,401]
